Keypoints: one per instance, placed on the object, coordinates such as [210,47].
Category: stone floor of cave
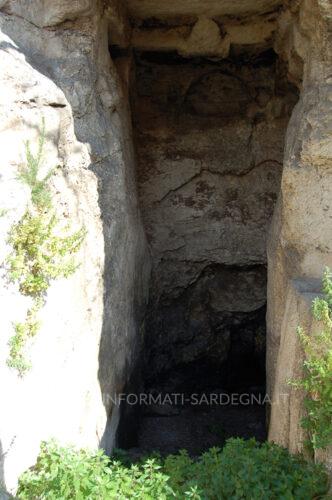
[190,410]
[198,429]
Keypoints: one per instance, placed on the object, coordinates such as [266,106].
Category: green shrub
[42,251]
[317,371]
[242,470]
[63,473]
[246,470]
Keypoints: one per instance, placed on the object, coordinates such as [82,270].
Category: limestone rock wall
[301,234]
[209,140]
[89,341]
[288,404]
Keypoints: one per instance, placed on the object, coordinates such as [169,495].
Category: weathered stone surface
[301,234]
[208,37]
[119,29]
[288,409]
[50,12]
[210,8]
[210,142]
[88,344]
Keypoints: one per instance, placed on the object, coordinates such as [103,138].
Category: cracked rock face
[209,138]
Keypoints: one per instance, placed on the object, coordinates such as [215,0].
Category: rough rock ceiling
[162,9]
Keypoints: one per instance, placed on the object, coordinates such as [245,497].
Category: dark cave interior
[209,137]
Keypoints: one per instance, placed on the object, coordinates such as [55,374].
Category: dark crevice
[56,105]
[117,52]
[262,59]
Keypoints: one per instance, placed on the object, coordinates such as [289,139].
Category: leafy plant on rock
[42,251]
[316,381]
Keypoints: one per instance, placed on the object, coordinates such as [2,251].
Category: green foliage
[317,371]
[30,174]
[242,470]
[23,331]
[64,473]
[42,251]
[246,470]
[40,254]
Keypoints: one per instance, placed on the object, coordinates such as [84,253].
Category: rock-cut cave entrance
[209,136]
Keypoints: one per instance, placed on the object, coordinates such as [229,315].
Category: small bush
[42,251]
[246,470]
[40,254]
[242,470]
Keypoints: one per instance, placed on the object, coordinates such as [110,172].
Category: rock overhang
[143,9]
[208,29]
